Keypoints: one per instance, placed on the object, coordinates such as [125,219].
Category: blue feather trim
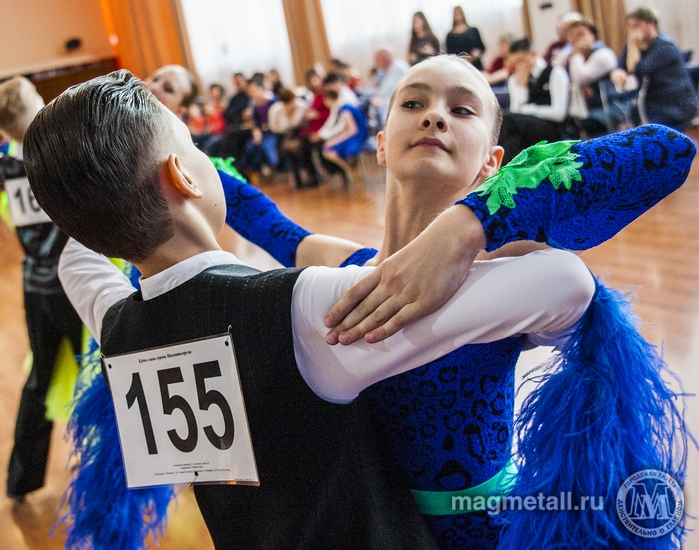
[103,513]
[600,413]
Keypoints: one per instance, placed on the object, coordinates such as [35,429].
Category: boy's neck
[173,252]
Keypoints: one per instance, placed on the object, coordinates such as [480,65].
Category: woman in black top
[464,39]
[423,43]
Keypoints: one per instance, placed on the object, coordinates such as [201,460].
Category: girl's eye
[411,104]
[464,111]
[168,88]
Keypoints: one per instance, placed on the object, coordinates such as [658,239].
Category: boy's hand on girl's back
[410,284]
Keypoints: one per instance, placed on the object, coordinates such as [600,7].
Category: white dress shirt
[558,88]
[541,294]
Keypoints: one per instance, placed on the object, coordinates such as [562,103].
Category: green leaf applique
[527,170]
[226,166]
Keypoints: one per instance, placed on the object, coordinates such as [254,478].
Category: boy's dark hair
[331,78]
[285,95]
[521,45]
[646,15]
[331,94]
[189,99]
[583,23]
[92,159]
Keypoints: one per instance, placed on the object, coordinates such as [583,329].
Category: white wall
[33,34]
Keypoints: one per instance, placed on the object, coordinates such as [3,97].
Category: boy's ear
[381,148]
[492,163]
[180,180]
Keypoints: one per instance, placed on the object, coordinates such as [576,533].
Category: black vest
[539,92]
[327,481]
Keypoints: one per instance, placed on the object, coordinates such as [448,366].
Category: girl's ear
[180,180]
[492,163]
[381,147]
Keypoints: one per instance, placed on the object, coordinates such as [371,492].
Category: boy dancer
[50,317]
[176,244]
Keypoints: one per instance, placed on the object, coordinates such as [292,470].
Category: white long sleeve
[542,294]
[584,72]
[558,88]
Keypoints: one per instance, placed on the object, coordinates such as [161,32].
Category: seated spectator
[206,122]
[562,24]
[423,42]
[346,133]
[464,39]
[313,88]
[286,119]
[239,123]
[260,154]
[273,81]
[213,110]
[497,72]
[538,101]
[670,97]
[348,74]
[379,88]
[590,62]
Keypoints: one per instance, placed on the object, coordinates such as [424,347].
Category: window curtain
[229,36]
[357,28]
[145,34]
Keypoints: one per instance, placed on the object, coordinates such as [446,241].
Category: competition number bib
[24,209]
[181,415]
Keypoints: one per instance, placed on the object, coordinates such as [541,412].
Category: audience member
[670,97]
[313,88]
[273,81]
[213,110]
[260,154]
[497,72]
[239,123]
[387,74]
[286,119]
[538,101]
[562,24]
[590,62]
[348,74]
[463,39]
[345,137]
[423,42]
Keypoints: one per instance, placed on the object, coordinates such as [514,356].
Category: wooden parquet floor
[657,256]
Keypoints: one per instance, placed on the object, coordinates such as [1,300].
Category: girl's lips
[430,142]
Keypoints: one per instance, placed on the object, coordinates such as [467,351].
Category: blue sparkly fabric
[252,214]
[449,425]
[622,176]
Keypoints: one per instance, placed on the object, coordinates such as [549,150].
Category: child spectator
[538,101]
[50,317]
[260,154]
[286,120]
[497,73]
[348,134]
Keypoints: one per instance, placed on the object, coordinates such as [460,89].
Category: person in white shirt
[590,61]
[380,87]
[538,101]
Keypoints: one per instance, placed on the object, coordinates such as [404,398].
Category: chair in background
[617,104]
[503,96]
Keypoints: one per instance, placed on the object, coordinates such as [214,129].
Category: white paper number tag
[24,209]
[181,414]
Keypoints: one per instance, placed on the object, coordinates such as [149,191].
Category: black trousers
[50,318]
[520,131]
